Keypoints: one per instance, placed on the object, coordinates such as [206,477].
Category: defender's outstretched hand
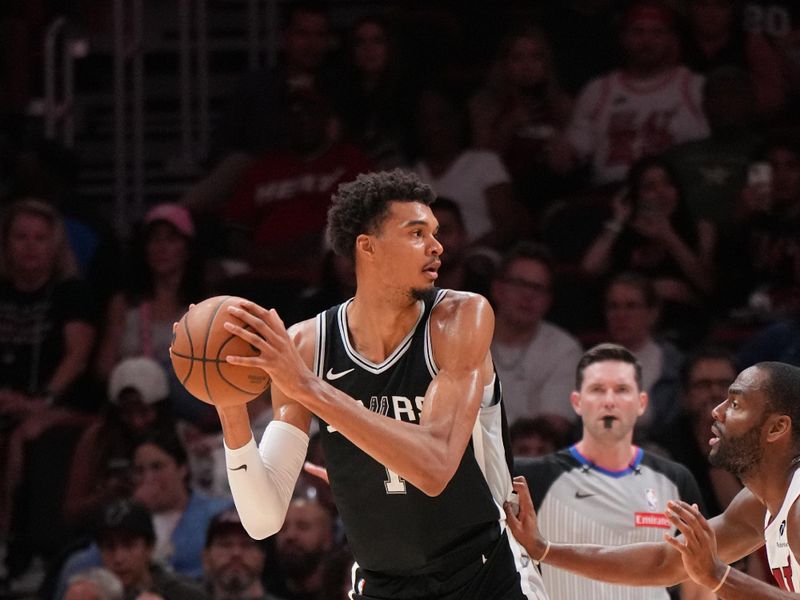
[698,546]
[523,524]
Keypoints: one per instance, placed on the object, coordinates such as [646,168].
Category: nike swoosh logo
[580,495]
[239,468]
[330,375]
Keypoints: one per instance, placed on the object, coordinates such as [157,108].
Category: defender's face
[406,249]
[736,444]
[609,401]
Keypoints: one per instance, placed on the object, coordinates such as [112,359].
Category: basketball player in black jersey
[409,405]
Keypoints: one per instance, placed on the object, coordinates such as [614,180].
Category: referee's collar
[633,467]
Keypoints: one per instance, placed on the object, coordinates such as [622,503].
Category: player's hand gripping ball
[199,346]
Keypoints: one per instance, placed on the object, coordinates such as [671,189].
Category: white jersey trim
[364,363]
[430,361]
[319,347]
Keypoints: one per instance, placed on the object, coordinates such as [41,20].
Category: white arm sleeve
[262,479]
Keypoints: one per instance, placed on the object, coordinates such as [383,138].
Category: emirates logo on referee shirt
[646,519]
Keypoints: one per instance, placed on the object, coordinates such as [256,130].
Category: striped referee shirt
[578,502]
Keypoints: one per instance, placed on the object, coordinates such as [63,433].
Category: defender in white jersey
[755,436]
[402,381]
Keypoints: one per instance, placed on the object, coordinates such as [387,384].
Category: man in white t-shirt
[646,107]
[535,359]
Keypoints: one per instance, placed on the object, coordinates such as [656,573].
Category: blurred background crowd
[607,170]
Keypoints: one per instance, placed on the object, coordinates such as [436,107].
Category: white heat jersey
[782,562]
[618,119]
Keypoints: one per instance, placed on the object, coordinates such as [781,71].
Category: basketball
[200,344]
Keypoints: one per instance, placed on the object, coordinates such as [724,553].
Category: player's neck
[612,456]
[377,326]
[770,481]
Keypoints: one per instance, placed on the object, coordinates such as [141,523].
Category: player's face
[406,247]
[736,445]
[128,557]
[628,318]
[609,401]
[524,294]
[234,560]
[31,244]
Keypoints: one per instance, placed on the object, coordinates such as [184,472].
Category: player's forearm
[646,564]
[235,422]
[740,586]
[424,455]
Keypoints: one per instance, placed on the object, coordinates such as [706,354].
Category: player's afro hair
[360,206]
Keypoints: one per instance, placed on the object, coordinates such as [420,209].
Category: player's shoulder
[304,336]
[453,304]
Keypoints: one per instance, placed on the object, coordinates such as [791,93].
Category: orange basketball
[199,347]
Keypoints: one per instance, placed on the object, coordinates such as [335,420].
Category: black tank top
[391,526]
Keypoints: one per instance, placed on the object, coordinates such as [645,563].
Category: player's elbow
[436,481]
[262,525]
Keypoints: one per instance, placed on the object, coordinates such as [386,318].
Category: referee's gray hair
[108,584]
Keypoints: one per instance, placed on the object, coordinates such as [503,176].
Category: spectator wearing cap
[94,584]
[233,562]
[648,105]
[101,464]
[124,541]
[165,273]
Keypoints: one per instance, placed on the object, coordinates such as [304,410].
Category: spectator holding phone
[652,231]
[768,216]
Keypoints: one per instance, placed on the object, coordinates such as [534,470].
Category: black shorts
[491,575]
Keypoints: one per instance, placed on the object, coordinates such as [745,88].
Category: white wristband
[262,479]
[722,581]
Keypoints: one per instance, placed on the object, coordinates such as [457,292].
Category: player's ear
[364,244]
[781,425]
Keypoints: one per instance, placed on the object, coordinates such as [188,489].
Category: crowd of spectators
[608,170]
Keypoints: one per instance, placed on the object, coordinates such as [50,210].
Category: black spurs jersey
[578,502]
[391,526]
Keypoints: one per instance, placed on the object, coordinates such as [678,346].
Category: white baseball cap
[142,374]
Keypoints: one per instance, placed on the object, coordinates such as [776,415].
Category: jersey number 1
[395,484]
